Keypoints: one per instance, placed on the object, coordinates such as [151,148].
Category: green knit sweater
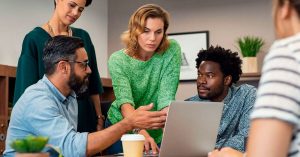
[143,82]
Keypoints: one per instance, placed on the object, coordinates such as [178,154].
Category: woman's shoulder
[174,46]
[79,32]
[173,49]
[173,43]
[78,29]
[117,55]
[38,36]
[118,58]
[37,32]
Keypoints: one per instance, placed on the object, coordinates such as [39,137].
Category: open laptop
[191,129]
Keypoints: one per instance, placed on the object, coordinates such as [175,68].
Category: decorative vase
[42,154]
[249,65]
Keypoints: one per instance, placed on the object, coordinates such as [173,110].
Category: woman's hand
[149,143]
[100,124]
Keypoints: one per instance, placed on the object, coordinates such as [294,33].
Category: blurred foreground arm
[269,137]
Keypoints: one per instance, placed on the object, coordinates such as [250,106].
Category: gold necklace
[52,32]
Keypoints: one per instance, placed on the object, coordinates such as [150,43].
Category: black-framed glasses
[84,64]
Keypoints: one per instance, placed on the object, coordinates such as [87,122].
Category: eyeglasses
[83,64]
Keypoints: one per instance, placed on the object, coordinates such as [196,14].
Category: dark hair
[293,3]
[60,48]
[87,3]
[230,62]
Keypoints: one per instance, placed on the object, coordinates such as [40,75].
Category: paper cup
[133,145]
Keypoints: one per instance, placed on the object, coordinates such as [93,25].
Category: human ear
[227,80]
[62,67]
[285,10]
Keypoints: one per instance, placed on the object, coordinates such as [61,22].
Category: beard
[78,85]
[212,94]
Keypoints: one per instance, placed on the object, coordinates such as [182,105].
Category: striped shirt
[278,95]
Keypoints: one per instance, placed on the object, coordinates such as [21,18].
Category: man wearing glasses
[49,107]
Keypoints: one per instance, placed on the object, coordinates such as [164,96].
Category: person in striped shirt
[275,121]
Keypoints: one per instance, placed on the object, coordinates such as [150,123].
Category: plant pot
[249,65]
[32,155]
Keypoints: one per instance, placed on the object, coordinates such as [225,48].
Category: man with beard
[218,71]
[49,107]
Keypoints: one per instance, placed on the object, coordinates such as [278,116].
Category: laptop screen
[191,128]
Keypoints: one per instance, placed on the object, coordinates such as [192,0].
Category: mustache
[87,76]
[201,86]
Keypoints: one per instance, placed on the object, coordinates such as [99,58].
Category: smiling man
[218,71]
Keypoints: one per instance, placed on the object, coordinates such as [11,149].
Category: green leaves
[250,46]
[30,144]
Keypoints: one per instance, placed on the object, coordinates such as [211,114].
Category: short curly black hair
[230,62]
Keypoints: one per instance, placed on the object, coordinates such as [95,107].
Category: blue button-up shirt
[235,121]
[44,111]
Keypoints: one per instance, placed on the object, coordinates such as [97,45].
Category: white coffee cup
[133,145]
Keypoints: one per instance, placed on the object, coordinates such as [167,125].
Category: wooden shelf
[250,77]
[8,71]
[7,81]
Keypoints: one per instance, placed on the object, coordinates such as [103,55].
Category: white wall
[105,20]
[226,20]
[18,17]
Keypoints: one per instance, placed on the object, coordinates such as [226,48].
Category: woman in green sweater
[31,67]
[146,71]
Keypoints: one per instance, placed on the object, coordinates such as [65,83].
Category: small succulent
[30,144]
[250,46]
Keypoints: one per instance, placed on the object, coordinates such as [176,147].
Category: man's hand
[225,152]
[143,118]
[149,143]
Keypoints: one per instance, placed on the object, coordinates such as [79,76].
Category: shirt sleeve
[120,81]
[281,71]
[51,123]
[239,140]
[27,69]
[170,79]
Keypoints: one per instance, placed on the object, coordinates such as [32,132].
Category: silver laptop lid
[191,129]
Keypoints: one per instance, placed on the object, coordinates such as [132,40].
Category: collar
[56,92]
[229,94]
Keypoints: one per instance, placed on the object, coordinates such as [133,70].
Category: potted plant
[249,47]
[30,146]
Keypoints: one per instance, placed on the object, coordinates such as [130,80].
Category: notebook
[191,129]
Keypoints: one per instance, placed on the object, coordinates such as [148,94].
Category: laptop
[191,129]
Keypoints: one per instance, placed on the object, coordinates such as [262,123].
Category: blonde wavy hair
[137,24]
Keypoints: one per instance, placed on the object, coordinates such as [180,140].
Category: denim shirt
[235,121]
[43,111]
